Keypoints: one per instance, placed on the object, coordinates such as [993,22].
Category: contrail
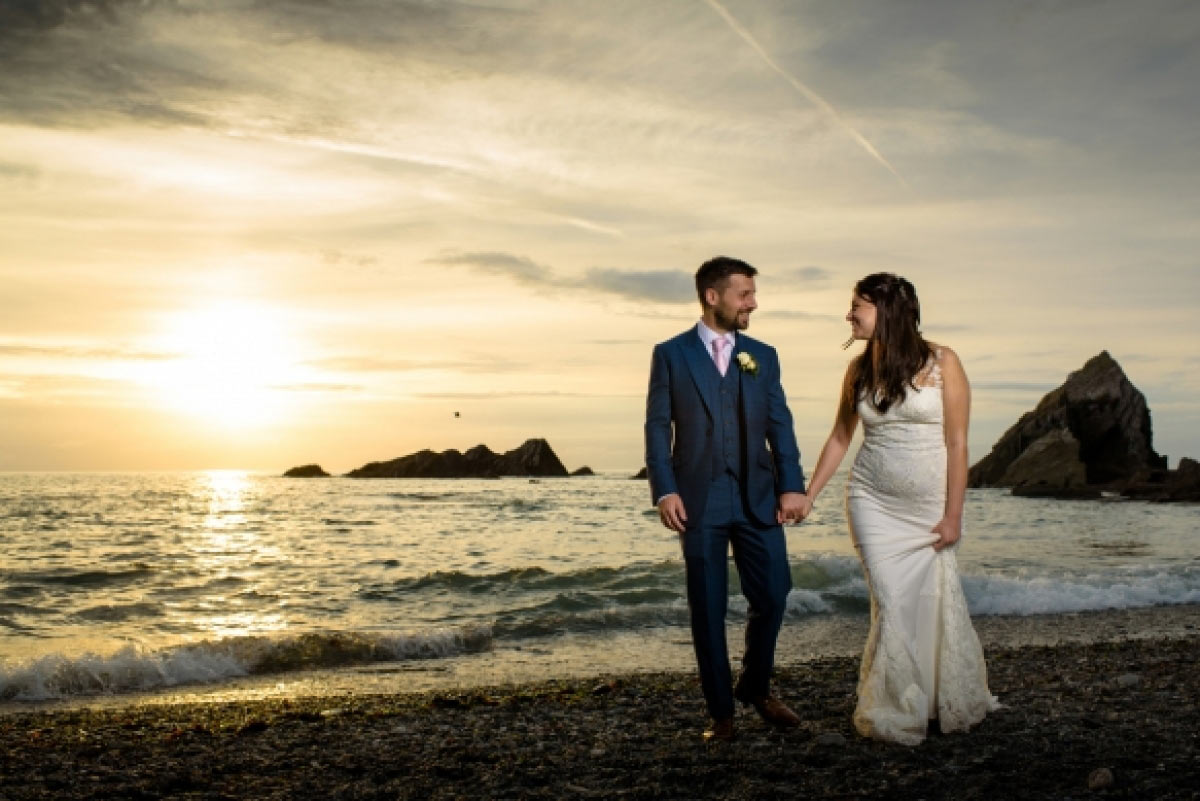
[815,98]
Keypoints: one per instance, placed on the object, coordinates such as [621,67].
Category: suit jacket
[680,408]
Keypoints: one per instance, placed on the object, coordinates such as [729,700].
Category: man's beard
[730,323]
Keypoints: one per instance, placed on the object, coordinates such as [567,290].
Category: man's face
[733,303]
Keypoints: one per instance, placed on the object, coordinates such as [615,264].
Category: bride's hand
[949,531]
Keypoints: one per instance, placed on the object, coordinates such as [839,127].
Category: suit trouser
[760,554]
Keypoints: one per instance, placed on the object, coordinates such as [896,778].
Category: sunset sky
[258,233]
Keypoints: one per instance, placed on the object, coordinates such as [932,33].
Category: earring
[848,342]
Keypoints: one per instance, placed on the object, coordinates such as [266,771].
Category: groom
[715,404]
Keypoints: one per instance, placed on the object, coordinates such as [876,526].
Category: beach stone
[1099,779]
[1101,409]
[1128,679]
[830,739]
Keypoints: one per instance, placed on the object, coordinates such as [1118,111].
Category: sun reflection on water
[227,552]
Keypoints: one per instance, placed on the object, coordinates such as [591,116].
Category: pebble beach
[1110,716]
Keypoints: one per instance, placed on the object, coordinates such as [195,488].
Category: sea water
[115,583]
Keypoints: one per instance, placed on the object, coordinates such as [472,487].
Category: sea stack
[1092,432]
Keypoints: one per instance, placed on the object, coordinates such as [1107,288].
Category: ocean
[123,585]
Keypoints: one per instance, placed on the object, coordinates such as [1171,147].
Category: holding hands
[793,507]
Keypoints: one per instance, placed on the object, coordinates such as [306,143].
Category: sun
[230,364]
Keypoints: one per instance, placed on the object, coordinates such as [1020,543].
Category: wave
[1040,594]
[80,578]
[133,669]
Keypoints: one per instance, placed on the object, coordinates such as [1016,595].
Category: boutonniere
[747,364]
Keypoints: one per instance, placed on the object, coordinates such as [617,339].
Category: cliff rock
[533,458]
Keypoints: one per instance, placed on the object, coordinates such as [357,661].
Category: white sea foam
[1035,595]
[133,669]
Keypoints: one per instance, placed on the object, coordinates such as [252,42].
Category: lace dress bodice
[904,451]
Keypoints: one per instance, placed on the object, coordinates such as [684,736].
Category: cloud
[521,394]
[817,276]
[799,314]
[521,269]
[651,286]
[75,352]
[318,387]
[372,364]
[25,17]
[1012,386]
[662,286]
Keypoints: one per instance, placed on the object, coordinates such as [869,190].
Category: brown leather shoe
[770,709]
[720,732]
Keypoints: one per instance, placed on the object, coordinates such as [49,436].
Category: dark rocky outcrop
[1100,409]
[1180,484]
[306,471]
[640,474]
[1091,434]
[583,471]
[533,458]
[1050,467]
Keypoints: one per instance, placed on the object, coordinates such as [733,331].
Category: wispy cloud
[810,274]
[799,314]
[375,364]
[803,89]
[79,352]
[651,286]
[1012,386]
[521,394]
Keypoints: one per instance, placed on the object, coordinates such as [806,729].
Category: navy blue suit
[707,439]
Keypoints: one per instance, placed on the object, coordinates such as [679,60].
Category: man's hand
[672,513]
[793,507]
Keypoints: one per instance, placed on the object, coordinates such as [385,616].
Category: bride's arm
[837,443]
[956,403]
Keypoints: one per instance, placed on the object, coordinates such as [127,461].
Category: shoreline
[1118,711]
[581,657]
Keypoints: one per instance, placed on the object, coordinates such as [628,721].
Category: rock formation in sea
[1091,433]
[306,471]
[534,457]
[583,471]
[639,474]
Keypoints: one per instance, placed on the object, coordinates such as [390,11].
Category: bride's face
[861,317]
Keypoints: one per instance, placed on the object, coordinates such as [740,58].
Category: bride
[922,665]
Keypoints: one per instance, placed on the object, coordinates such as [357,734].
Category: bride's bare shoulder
[943,353]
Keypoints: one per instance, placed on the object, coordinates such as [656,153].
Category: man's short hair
[714,274]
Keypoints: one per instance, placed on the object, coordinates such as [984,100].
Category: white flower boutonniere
[747,364]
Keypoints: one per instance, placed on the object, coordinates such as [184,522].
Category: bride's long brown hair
[897,352]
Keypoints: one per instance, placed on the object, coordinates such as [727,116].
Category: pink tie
[721,354]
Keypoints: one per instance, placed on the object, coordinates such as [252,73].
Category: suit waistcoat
[727,424]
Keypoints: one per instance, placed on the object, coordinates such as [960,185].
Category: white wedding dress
[922,659]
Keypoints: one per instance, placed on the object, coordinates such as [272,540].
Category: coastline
[1099,692]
